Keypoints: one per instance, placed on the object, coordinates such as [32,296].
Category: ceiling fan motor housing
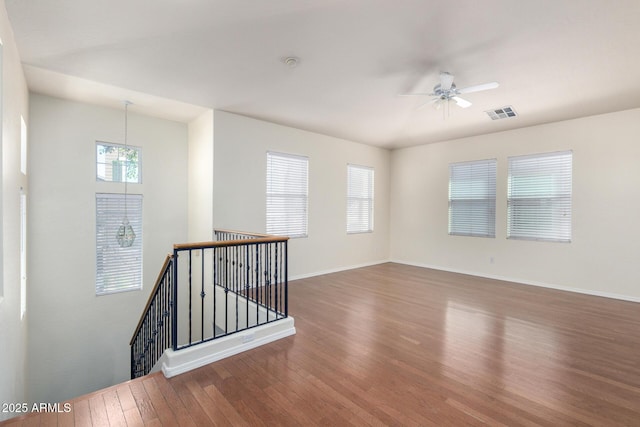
[444,94]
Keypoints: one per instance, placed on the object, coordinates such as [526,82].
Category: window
[1,178]
[23,253]
[117,269]
[539,197]
[472,198]
[287,194]
[23,146]
[359,199]
[114,163]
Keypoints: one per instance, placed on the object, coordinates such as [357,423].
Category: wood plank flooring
[400,345]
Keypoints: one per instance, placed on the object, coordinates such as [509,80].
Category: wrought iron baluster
[226,290]
[275,279]
[174,320]
[190,297]
[215,289]
[246,282]
[258,279]
[286,278]
[267,278]
[235,284]
[170,309]
[202,295]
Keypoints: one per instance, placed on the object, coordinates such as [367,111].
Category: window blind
[359,199]
[539,197]
[117,269]
[287,194]
[472,198]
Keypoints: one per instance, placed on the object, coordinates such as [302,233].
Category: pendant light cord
[126,152]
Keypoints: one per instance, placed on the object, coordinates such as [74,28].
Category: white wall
[201,178]
[79,342]
[13,329]
[602,258]
[239,197]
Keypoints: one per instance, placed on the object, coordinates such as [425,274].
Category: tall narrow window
[1,175]
[287,194]
[23,254]
[472,198]
[23,146]
[117,163]
[118,269]
[359,199]
[539,197]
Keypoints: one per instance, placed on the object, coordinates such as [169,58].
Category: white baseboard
[173,363]
[336,270]
[525,282]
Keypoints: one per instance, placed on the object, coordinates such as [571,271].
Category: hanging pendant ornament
[125,234]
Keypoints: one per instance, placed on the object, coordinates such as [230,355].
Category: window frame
[138,162]
[287,193]
[535,214]
[360,200]
[479,177]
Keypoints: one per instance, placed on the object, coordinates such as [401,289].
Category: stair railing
[154,331]
[229,285]
[209,290]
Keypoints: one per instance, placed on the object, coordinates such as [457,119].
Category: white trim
[174,363]
[525,282]
[337,270]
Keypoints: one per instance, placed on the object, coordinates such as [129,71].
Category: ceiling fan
[447,90]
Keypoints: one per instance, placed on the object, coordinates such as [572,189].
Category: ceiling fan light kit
[446,90]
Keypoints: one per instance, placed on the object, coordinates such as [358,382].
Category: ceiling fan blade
[431,102]
[478,88]
[461,102]
[446,80]
[415,94]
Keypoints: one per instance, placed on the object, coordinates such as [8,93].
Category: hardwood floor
[400,345]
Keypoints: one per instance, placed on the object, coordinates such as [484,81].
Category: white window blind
[287,194]
[359,199]
[539,197]
[472,198]
[117,269]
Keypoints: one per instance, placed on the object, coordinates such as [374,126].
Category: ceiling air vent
[501,113]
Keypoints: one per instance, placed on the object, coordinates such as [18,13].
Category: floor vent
[501,113]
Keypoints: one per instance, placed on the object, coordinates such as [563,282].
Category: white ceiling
[554,60]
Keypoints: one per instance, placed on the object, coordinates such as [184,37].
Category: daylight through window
[117,269]
[539,197]
[287,194]
[472,198]
[359,199]
[115,163]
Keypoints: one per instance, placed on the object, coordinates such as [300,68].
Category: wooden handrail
[223,243]
[222,230]
[167,260]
